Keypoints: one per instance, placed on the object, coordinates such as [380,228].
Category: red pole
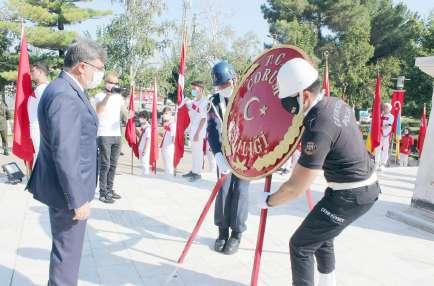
[260,239]
[199,222]
[309,198]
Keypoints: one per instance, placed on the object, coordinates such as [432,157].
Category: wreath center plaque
[259,135]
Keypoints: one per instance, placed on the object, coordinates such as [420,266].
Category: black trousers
[333,213]
[68,236]
[232,204]
[109,148]
[4,138]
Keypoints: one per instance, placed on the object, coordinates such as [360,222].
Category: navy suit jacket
[65,172]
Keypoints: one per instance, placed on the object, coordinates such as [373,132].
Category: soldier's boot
[220,242]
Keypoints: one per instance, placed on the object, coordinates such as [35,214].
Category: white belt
[346,186]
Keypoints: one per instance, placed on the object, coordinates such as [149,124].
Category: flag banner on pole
[130,130]
[422,131]
[154,132]
[374,136]
[398,97]
[182,116]
[22,145]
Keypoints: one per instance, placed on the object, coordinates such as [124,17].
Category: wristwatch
[267,201]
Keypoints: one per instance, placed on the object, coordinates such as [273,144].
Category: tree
[133,37]
[209,41]
[362,37]
[45,22]
[47,19]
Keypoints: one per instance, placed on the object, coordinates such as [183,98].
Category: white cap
[295,76]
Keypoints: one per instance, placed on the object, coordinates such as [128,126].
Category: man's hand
[83,212]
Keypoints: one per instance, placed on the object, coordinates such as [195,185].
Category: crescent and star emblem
[263,110]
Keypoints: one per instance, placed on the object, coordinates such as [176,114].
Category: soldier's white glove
[222,164]
[261,200]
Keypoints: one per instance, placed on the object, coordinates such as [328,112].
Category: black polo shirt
[332,141]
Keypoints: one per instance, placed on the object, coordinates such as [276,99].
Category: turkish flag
[130,130]
[398,97]
[375,132]
[22,145]
[182,117]
[422,131]
[154,132]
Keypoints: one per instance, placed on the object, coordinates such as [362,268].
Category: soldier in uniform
[4,117]
[331,143]
[231,206]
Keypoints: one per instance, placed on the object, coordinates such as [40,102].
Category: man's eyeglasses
[111,82]
[98,68]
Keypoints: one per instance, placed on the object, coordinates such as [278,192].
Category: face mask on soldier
[226,92]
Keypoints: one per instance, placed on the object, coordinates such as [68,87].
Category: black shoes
[220,242]
[106,198]
[225,245]
[232,246]
[188,175]
[194,178]
[115,195]
[219,245]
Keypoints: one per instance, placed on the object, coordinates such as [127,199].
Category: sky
[241,15]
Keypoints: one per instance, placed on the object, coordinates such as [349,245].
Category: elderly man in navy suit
[65,173]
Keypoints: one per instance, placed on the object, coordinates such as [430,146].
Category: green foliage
[300,34]
[362,37]
[44,22]
[133,37]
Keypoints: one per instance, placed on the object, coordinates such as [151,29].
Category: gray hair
[83,51]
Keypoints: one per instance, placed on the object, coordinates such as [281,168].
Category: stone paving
[138,240]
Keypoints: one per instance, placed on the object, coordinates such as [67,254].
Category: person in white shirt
[382,153]
[167,144]
[144,142]
[109,106]
[198,114]
[39,74]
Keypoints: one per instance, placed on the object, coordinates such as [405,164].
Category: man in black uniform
[332,142]
[231,206]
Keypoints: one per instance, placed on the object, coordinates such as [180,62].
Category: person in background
[4,117]
[144,142]
[167,144]
[109,107]
[39,74]
[407,142]
[382,153]
[198,114]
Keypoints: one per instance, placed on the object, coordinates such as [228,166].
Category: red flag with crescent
[398,97]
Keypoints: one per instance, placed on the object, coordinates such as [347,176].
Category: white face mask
[96,79]
[166,117]
[226,92]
